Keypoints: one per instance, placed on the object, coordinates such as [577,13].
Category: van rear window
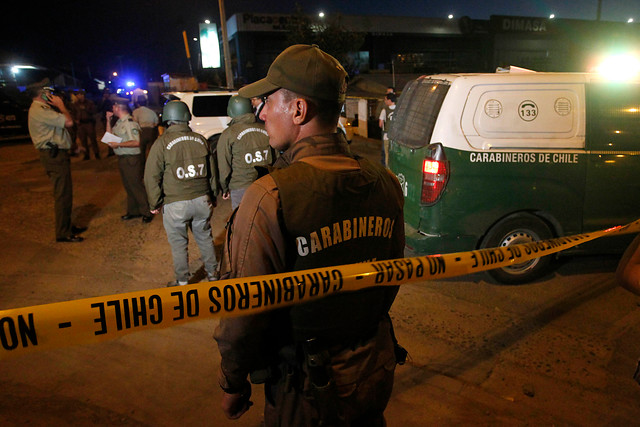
[210,105]
[417,111]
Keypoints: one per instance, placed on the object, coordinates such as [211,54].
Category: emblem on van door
[493,108]
[403,184]
[562,106]
[528,110]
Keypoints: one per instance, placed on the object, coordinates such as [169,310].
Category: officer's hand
[225,196]
[155,211]
[56,101]
[235,405]
[109,114]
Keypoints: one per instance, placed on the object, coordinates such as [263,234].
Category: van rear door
[410,134]
[613,143]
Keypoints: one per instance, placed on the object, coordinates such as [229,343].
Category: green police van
[488,160]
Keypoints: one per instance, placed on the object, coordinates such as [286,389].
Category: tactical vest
[340,217]
[249,145]
[187,164]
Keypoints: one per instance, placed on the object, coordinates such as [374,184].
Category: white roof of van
[520,76]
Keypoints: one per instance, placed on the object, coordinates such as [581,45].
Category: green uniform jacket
[241,147]
[128,130]
[179,167]
[47,125]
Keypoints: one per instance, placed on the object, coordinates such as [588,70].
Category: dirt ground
[557,352]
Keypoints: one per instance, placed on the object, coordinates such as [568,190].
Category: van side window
[417,111]
[613,117]
[210,106]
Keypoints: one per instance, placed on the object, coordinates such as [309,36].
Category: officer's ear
[300,109]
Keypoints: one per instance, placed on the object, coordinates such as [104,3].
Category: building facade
[433,45]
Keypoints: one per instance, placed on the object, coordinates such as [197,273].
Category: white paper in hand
[109,137]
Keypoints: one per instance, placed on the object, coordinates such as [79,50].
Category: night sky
[98,37]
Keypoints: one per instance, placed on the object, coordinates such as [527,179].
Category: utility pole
[225,46]
[393,73]
[186,49]
[599,13]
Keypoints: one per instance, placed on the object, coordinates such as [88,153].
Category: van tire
[516,229]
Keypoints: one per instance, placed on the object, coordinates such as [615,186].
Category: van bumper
[419,243]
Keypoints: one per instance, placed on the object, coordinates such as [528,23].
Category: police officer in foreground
[49,120]
[628,271]
[242,147]
[331,361]
[179,179]
[129,161]
[628,275]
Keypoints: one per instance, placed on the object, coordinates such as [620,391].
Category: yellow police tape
[91,320]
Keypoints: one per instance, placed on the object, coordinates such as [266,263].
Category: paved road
[557,352]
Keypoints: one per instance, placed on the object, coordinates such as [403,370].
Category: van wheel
[514,231]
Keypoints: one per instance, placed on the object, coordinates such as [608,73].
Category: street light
[321,14]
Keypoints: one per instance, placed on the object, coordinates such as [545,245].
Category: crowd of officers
[289,175]
[181,177]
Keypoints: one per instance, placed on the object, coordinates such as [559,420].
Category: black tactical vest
[333,218]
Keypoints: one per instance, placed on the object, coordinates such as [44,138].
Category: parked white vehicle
[208,110]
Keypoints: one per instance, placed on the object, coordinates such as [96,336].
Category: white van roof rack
[512,69]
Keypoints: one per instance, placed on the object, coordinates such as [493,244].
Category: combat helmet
[176,111]
[238,106]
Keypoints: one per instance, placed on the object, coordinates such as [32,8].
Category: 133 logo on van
[528,110]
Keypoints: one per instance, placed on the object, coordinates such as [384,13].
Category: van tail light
[435,174]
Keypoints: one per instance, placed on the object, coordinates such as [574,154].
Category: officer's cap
[303,69]
[34,88]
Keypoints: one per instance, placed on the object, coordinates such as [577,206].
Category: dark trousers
[131,172]
[58,170]
[87,135]
[147,137]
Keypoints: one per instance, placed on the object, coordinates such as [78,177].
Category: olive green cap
[303,69]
